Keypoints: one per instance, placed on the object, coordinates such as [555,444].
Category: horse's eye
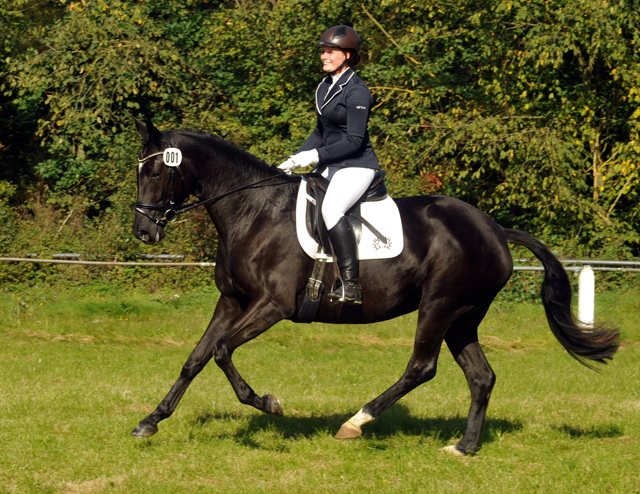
[155,175]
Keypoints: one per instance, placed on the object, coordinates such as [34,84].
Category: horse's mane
[246,167]
[227,149]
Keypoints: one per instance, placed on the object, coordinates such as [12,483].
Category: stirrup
[348,292]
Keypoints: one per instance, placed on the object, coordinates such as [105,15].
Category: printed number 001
[172,157]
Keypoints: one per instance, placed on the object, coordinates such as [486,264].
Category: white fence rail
[585,268]
[76,259]
[178,260]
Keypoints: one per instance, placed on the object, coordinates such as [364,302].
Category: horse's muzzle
[147,238]
[147,232]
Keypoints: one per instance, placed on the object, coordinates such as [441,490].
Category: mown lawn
[80,368]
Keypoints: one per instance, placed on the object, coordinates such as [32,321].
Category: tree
[21,26]
[104,62]
[526,108]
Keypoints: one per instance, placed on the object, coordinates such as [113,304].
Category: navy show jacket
[341,136]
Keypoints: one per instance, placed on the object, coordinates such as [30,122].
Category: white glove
[302,159]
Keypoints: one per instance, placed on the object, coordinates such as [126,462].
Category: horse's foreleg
[225,311]
[195,363]
[481,379]
[258,317]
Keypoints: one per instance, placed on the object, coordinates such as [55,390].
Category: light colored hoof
[453,450]
[349,431]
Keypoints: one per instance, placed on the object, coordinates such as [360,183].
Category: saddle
[316,190]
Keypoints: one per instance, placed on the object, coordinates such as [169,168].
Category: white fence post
[586,296]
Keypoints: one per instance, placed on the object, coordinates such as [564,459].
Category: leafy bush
[528,110]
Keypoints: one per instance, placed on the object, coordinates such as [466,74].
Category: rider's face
[332,58]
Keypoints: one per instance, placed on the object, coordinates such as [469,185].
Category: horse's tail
[597,343]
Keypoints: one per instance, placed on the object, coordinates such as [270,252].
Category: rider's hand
[302,159]
[288,166]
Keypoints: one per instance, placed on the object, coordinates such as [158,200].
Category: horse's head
[161,183]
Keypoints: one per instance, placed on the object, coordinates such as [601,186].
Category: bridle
[173,158]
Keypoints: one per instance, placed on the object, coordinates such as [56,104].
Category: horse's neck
[239,210]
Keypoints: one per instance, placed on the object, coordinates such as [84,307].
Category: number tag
[172,157]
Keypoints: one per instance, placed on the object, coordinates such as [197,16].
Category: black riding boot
[345,248]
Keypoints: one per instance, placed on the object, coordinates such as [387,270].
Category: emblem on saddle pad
[378,244]
[377,224]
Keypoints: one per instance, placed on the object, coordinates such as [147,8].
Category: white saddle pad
[383,216]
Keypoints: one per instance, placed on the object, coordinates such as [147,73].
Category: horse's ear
[147,130]
[142,129]
[153,132]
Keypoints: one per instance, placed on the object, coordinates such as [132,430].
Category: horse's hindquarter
[455,243]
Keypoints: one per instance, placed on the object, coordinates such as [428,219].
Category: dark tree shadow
[397,420]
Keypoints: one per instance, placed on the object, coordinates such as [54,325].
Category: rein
[171,213]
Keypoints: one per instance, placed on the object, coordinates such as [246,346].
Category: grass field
[80,368]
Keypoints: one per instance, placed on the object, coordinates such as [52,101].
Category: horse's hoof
[272,405]
[453,450]
[349,431]
[144,430]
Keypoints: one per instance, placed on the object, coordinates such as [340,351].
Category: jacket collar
[321,100]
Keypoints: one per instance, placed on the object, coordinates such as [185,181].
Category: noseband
[173,158]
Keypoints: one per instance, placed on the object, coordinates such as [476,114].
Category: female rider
[341,147]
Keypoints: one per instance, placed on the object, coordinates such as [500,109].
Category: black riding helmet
[345,38]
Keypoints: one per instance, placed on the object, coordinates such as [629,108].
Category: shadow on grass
[397,421]
[603,432]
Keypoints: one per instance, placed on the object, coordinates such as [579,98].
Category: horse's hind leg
[468,354]
[421,368]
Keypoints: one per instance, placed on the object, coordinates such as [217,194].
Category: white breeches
[346,186]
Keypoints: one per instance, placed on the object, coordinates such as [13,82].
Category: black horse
[455,260]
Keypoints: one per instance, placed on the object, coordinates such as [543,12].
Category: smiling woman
[341,148]
[333,59]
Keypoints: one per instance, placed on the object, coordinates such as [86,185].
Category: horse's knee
[483,383]
[190,369]
[221,355]
[428,373]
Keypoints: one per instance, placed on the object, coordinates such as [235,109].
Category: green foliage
[21,28]
[527,109]
[101,68]
[41,230]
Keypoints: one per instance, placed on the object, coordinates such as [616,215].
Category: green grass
[80,368]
